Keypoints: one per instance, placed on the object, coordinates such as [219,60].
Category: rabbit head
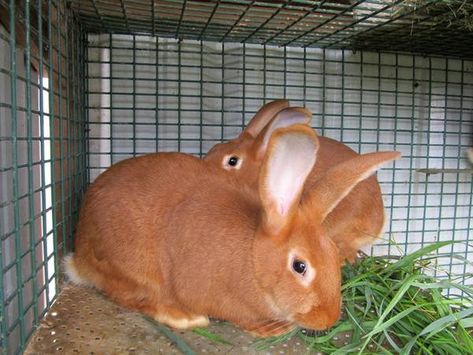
[295,263]
[243,155]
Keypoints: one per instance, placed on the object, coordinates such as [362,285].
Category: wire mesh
[425,26]
[73,103]
[147,94]
[42,160]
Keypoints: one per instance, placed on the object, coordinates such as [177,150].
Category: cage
[87,83]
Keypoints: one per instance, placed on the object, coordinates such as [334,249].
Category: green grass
[204,332]
[391,306]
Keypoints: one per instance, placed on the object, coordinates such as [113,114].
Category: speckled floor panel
[82,321]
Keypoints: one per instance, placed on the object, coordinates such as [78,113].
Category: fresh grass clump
[392,306]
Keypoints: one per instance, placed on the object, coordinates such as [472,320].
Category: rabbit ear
[338,181]
[263,116]
[285,118]
[289,160]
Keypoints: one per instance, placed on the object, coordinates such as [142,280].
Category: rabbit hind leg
[147,300]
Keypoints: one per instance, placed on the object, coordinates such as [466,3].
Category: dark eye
[299,267]
[233,161]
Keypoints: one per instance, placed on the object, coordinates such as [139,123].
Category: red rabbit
[178,239]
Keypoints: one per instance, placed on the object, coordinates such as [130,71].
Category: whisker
[273,326]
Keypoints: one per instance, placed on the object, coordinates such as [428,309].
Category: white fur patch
[71,272]
[184,323]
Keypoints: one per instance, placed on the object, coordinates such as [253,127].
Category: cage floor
[82,321]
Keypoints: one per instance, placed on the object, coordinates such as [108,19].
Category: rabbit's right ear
[285,118]
[288,161]
[339,180]
[263,116]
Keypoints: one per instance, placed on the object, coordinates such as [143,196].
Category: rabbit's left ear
[285,118]
[338,181]
[263,116]
[288,161]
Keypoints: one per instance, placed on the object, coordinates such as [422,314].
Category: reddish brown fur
[359,218]
[169,236]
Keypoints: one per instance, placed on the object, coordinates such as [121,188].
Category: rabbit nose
[318,318]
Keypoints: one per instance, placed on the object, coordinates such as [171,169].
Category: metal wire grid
[147,94]
[42,160]
[423,26]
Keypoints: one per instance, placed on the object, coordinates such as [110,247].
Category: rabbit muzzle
[319,318]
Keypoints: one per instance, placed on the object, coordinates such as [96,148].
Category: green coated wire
[134,95]
[201,100]
[52,139]
[112,108]
[62,153]
[31,210]
[173,337]
[15,177]
[72,147]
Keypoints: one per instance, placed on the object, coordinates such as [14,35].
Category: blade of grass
[409,259]
[436,327]
[203,332]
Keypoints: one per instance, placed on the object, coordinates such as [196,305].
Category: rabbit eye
[299,267]
[233,161]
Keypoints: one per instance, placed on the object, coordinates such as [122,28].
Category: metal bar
[393,175]
[134,96]
[62,153]
[292,24]
[275,13]
[209,21]
[201,101]
[411,162]
[111,97]
[313,29]
[52,139]
[352,24]
[125,16]
[382,24]
[433,171]
[183,9]
[157,78]
[238,20]
[31,175]
[42,146]
[15,176]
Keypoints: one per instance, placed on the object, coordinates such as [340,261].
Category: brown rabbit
[357,220]
[171,236]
